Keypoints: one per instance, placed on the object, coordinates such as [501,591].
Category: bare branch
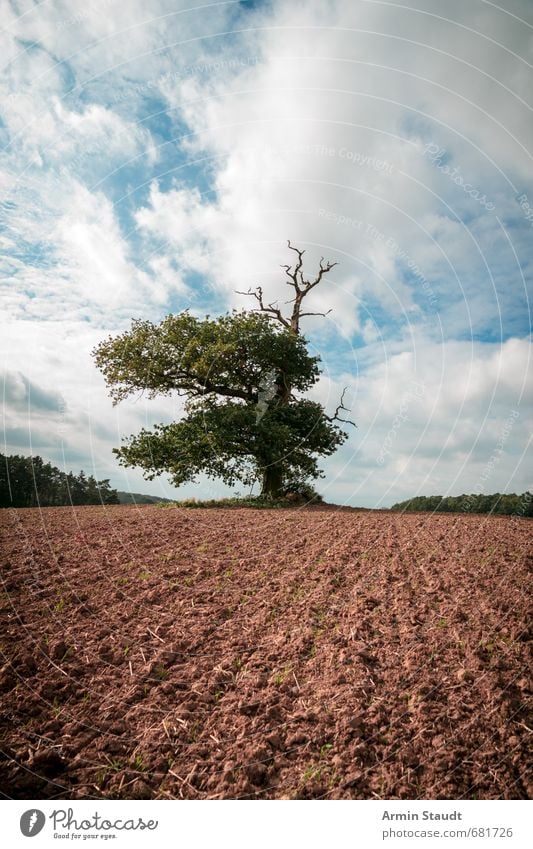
[323,314]
[323,269]
[270,309]
[335,417]
[301,288]
[297,267]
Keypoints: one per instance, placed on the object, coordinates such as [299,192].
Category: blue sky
[156,157]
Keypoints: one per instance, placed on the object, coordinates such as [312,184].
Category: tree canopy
[506,504]
[241,376]
[30,482]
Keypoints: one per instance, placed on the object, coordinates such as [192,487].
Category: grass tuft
[258,502]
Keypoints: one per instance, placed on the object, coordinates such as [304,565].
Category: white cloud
[64,244]
[312,123]
[65,415]
[73,257]
[336,119]
[92,251]
[430,418]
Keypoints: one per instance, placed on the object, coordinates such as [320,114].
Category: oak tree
[242,376]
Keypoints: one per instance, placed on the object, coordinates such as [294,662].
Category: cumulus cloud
[60,408]
[19,392]
[328,139]
[160,158]
[430,420]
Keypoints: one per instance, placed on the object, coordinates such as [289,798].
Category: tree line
[505,504]
[30,482]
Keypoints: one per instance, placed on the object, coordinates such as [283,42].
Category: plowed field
[170,653]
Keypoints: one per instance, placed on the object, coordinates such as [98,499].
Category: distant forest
[139,498]
[30,482]
[515,505]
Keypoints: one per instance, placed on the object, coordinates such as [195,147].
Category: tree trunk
[272,481]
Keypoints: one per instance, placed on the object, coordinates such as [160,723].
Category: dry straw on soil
[155,653]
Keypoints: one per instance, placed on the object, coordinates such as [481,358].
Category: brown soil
[171,653]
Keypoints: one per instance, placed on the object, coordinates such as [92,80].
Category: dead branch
[268,308]
[293,274]
[335,417]
[323,314]
[301,288]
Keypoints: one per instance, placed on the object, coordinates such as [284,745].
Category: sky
[157,156]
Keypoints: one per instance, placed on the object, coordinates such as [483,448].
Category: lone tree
[239,374]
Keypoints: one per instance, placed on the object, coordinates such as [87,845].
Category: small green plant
[488,647]
[144,575]
[115,764]
[59,605]
[282,675]
[101,776]
[161,672]
[194,731]
[313,771]
[138,763]
[298,593]
[333,780]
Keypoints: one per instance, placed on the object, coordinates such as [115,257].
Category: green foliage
[30,482]
[301,491]
[229,431]
[503,504]
[226,441]
[259,502]
[230,356]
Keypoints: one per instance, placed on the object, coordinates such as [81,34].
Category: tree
[29,482]
[239,374]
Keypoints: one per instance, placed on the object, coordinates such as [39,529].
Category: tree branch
[323,269]
[323,314]
[195,386]
[275,312]
[335,417]
[301,288]
[297,268]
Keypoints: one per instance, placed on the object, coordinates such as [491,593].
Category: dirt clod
[298,653]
